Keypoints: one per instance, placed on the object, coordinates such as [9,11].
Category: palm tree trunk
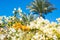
[41,15]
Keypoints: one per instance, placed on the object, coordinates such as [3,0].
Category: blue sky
[7,6]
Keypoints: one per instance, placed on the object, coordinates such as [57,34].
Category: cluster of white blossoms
[48,30]
[15,35]
[12,34]
[19,11]
[40,29]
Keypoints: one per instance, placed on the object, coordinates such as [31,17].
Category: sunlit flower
[38,37]
[1,17]
[2,36]
[55,37]
[14,9]
[45,8]
[12,30]
[13,38]
[19,10]
[20,19]
[32,25]
[58,19]
[53,24]
[1,21]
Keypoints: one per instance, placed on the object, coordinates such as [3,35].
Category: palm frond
[40,5]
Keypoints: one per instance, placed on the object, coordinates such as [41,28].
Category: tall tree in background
[42,7]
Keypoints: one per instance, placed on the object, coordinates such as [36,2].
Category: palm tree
[41,7]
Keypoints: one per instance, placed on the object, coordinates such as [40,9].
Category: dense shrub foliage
[23,27]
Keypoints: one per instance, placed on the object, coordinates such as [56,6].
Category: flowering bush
[16,28]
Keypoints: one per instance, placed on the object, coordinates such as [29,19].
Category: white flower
[58,19]
[17,34]
[1,21]
[8,36]
[53,24]
[18,39]
[58,29]
[19,30]
[38,37]
[19,10]
[20,19]
[1,17]
[32,25]
[12,30]
[40,19]
[6,19]
[2,36]
[55,37]
[45,8]
[14,38]
[46,21]
[20,14]
[14,9]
